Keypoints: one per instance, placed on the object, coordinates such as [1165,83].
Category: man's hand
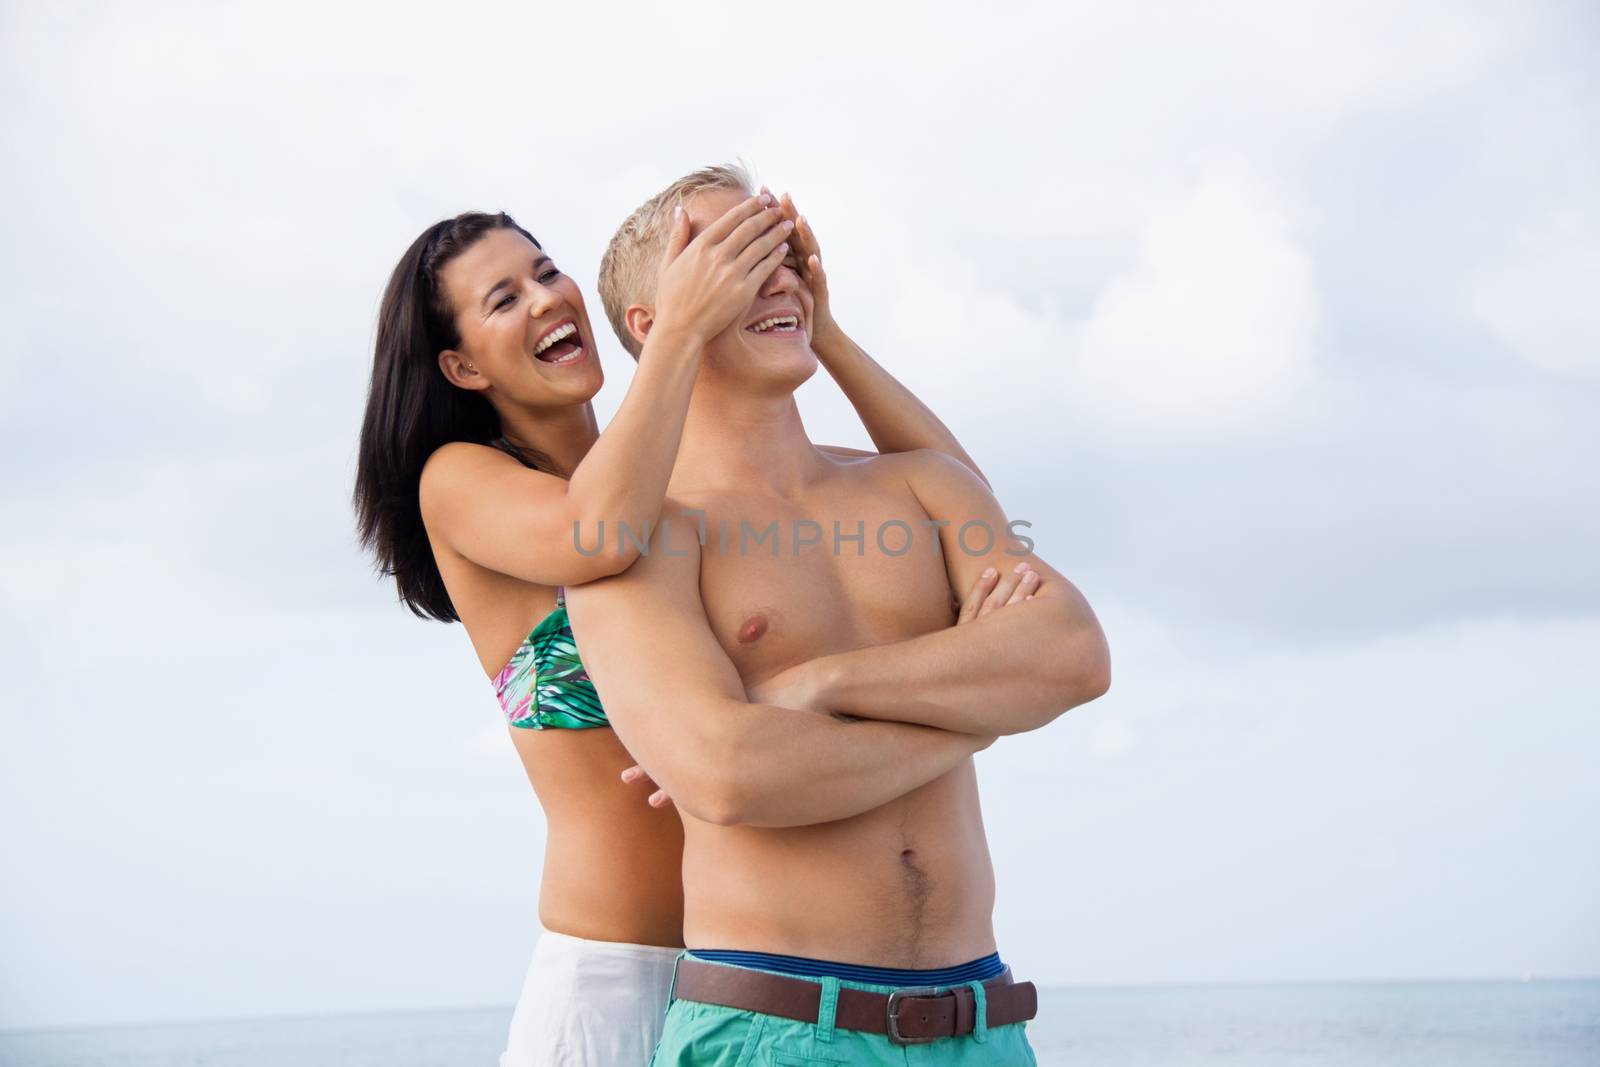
[991,592]
[658,798]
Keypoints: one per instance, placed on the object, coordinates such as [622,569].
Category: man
[789,598]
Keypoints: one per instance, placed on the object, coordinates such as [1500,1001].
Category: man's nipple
[753,628]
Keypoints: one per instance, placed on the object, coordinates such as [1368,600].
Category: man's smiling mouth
[776,324]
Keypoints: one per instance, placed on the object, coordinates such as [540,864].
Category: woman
[479,451]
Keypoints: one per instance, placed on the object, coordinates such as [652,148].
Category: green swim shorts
[710,1035]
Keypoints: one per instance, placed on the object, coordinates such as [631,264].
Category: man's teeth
[782,322]
[560,333]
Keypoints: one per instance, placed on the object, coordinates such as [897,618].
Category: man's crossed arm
[1004,673]
[1008,672]
[678,705]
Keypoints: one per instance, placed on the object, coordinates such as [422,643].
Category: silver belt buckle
[895,998]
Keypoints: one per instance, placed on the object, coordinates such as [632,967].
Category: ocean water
[1454,1024]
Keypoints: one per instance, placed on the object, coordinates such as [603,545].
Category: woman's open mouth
[561,345]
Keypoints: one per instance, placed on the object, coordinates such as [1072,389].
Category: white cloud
[1310,815]
[1543,299]
[1110,736]
[1213,330]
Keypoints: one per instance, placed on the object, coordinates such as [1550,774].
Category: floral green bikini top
[545,686]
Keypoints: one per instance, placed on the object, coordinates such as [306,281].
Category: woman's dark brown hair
[412,410]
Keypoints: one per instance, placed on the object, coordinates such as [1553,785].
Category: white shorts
[590,1004]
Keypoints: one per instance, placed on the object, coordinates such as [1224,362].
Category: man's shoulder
[918,466]
[857,461]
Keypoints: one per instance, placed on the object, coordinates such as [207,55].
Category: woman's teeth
[560,333]
[782,322]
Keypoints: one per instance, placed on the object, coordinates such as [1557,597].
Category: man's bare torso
[910,883]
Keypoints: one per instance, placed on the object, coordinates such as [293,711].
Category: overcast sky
[1280,327]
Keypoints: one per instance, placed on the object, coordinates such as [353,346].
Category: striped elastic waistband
[978,970]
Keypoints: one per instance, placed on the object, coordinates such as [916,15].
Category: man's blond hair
[633,258]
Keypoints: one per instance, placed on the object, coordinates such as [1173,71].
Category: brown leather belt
[907,1016]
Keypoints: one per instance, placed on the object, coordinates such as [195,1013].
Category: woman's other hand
[805,258]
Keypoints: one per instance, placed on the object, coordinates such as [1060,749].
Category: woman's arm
[546,529]
[895,419]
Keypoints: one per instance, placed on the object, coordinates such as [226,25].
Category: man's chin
[789,370]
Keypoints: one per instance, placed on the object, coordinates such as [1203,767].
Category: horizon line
[379,1013]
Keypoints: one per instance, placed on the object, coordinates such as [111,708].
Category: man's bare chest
[785,583]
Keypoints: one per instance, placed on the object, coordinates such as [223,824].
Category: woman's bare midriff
[612,863]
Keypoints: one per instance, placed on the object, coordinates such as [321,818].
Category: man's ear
[459,371]
[639,319]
